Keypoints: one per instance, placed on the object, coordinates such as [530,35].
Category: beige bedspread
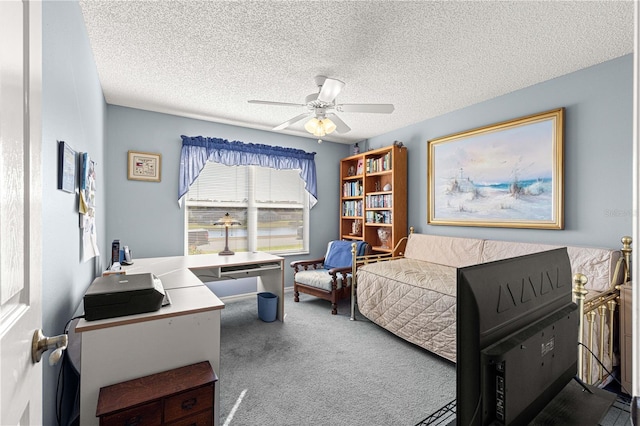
[413,299]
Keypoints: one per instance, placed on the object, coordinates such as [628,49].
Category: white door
[20,210]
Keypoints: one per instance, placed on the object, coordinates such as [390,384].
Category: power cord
[60,381]
[605,368]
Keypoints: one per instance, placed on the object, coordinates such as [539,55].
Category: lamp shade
[328,125]
[226,220]
[312,125]
[320,127]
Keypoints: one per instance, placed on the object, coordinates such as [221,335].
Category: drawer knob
[188,404]
[133,421]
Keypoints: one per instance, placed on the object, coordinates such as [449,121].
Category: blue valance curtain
[197,150]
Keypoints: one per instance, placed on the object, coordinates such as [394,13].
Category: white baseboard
[248,295]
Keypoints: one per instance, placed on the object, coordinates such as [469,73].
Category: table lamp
[226,221]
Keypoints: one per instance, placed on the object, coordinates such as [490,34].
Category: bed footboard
[596,328]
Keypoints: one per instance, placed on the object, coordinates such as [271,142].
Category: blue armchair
[328,278]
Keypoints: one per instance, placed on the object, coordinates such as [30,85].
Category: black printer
[118,295]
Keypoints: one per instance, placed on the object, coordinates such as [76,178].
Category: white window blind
[271,205]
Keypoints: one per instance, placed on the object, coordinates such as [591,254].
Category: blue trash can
[267,306]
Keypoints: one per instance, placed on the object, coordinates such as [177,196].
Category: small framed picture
[360,167]
[66,167]
[144,166]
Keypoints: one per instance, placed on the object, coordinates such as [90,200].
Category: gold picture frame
[509,175]
[145,166]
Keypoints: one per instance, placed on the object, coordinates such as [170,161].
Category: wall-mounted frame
[506,175]
[66,167]
[144,166]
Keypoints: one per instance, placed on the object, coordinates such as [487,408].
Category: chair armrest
[344,270]
[302,265]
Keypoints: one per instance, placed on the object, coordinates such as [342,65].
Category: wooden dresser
[182,396]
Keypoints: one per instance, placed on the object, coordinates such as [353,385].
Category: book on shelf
[352,208]
[379,164]
[378,217]
[352,189]
[379,201]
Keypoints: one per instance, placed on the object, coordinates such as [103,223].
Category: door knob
[41,343]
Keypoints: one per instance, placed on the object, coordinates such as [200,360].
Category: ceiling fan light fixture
[320,127]
[323,103]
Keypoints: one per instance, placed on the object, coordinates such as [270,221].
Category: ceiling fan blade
[291,121]
[341,126]
[253,101]
[330,89]
[375,108]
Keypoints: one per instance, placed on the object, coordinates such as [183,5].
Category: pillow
[339,254]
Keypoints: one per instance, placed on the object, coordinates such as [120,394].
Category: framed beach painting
[506,175]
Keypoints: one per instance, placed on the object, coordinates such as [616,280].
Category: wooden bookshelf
[373,193]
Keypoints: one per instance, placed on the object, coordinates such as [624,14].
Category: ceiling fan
[322,106]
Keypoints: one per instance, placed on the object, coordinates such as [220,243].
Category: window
[271,205]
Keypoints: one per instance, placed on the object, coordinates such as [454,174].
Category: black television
[517,334]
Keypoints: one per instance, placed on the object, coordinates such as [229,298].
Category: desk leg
[273,282]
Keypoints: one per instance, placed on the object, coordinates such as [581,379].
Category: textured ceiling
[206,59]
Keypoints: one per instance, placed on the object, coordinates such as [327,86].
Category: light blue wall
[146,216]
[598,105]
[73,110]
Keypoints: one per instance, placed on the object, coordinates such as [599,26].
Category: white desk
[181,271]
[185,332]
